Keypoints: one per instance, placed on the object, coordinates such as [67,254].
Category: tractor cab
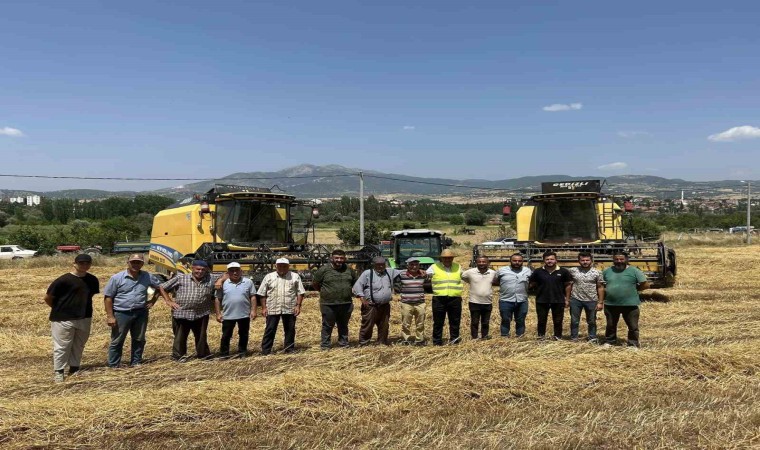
[420,243]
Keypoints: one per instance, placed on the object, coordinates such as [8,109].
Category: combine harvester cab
[249,225]
[574,216]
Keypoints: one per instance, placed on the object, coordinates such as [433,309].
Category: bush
[456,219]
[34,239]
[475,217]
[642,228]
[349,233]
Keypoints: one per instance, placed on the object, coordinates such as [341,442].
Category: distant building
[32,200]
[17,200]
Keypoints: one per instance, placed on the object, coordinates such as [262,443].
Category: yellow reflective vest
[446,283]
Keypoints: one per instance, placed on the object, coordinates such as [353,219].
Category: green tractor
[420,243]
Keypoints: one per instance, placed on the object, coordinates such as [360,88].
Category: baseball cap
[136,257]
[233,265]
[83,258]
[378,260]
[200,263]
[412,259]
[282,261]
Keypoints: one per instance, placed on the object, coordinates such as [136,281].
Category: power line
[67,177]
[433,183]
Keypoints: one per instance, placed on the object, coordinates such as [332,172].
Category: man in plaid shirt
[193,300]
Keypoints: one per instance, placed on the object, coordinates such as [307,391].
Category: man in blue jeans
[127,305]
[513,294]
[587,295]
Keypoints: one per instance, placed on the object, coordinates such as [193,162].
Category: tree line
[87,224]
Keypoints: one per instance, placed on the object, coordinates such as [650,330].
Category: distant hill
[329,181]
[311,181]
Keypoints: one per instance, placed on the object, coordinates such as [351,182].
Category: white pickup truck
[15,252]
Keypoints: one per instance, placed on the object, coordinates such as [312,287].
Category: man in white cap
[235,304]
[281,294]
[375,289]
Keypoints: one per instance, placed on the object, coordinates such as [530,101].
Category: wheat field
[694,384]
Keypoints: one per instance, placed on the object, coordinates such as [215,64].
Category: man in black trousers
[281,294]
[553,285]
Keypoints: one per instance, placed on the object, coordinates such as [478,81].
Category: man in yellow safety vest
[446,278]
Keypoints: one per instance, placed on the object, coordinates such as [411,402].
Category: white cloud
[408,127]
[563,107]
[736,134]
[613,166]
[633,134]
[12,132]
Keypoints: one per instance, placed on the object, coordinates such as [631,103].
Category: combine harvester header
[249,225]
[573,216]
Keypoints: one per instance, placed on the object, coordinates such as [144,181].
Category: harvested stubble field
[694,384]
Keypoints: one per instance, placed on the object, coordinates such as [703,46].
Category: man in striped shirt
[281,294]
[412,302]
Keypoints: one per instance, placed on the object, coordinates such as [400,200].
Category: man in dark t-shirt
[334,282]
[70,300]
[553,286]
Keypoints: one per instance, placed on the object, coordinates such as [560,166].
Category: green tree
[349,233]
[456,219]
[475,217]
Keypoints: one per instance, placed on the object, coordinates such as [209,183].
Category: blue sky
[432,88]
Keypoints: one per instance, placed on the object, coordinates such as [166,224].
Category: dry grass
[695,384]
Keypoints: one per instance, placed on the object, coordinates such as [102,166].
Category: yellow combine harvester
[573,216]
[249,225]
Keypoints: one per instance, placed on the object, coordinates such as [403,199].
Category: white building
[32,200]
[17,200]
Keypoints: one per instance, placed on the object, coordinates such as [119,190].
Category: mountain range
[311,181]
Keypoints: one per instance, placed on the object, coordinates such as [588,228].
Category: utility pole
[361,208]
[749,205]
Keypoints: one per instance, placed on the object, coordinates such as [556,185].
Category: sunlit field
[694,384]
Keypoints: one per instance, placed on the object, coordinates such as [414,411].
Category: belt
[130,310]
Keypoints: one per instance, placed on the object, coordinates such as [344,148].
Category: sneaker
[593,341]
[420,344]
[455,341]
[633,348]
[556,338]
[58,377]
[486,338]
[575,339]
[606,345]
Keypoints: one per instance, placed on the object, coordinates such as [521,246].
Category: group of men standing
[232,298]
[131,293]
